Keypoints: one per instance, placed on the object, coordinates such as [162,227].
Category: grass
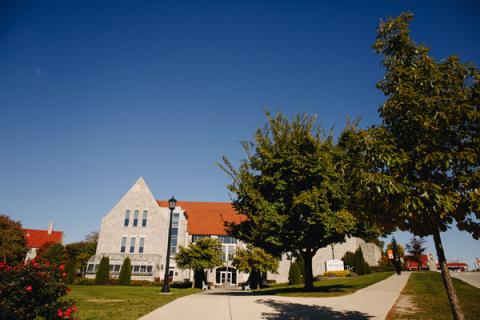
[327,287]
[429,298]
[120,302]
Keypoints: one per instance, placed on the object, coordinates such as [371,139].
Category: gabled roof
[37,238]
[207,218]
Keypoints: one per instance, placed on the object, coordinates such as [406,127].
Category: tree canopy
[254,261]
[290,186]
[205,253]
[419,169]
[13,245]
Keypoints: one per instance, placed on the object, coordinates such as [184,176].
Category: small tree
[13,246]
[125,272]
[103,272]
[254,261]
[416,248]
[295,273]
[204,254]
[349,259]
[361,267]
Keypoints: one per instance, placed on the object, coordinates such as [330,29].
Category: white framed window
[135,218]
[126,222]
[123,244]
[144,218]
[132,245]
[141,244]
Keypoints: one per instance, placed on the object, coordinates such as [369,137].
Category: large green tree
[13,246]
[254,261]
[291,189]
[419,169]
[205,253]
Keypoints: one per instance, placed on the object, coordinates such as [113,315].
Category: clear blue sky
[94,94]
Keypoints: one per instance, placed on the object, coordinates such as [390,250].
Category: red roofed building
[455,266]
[137,227]
[37,238]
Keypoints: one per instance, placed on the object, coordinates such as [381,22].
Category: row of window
[123,245]
[136,214]
[222,239]
[115,268]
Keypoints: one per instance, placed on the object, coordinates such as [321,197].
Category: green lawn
[429,298]
[120,302]
[327,287]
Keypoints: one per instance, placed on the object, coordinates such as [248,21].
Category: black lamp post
[172,203]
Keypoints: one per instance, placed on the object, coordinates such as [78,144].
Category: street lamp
[172,203]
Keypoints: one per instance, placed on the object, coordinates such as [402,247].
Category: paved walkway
[472,278]
[372,302]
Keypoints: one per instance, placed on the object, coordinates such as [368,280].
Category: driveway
[472,278]
[372,302]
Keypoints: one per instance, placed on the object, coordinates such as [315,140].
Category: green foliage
[349,259]
[54,253]
[81,252]
[295,273]
[361,267]
[34,290]
[419,169]
[254,261]
[70,270]
[206,253]
[125,275]
[103,273]
[416,248]
[13,246]
[291,189]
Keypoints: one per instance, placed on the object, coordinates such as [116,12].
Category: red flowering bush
[34,289]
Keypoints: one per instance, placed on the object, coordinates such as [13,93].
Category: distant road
[472,278]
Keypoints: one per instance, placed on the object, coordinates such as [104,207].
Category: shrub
[295,274]
[349,259]
[125,272]
[339,273]
[34,290]
[361,266]
[143,283]
[103,273]
[85,282]
[70,269]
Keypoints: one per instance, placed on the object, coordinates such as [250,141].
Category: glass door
[226,277]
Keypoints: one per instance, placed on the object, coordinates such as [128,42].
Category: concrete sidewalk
[372,302]
[472,278]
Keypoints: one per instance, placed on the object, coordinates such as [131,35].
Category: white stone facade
[116,234]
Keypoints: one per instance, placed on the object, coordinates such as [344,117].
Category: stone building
[137,227]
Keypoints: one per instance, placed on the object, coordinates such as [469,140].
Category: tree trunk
[447,280]
[308,276]
[198,277]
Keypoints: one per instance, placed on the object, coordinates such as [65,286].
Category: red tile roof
[207,218]
[37,238]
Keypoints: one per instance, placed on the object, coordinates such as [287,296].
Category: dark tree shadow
[295,311]
[334,289]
